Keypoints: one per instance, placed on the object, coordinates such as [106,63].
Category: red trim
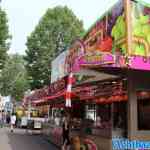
[46,99]
[61,93]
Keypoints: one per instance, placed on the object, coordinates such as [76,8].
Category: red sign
[58,86]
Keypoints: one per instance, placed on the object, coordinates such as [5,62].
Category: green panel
[141,28]
[144,2]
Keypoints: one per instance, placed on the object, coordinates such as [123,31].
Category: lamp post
[27,93]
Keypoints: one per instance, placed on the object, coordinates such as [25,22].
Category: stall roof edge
[100,17]
[144,2]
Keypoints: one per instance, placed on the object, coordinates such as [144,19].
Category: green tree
[53,34]
[14,78]
[4,36]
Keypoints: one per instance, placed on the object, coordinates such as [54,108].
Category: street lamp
[29,103]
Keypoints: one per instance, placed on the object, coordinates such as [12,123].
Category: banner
[58,67]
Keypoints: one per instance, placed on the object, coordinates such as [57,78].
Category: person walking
[8,119]
[13,122]
[1,119]
[65,134]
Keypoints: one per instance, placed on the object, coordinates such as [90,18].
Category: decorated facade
[110,65]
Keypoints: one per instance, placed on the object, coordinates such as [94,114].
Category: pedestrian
[13,121]
[8,119]
[65,134]
[1,120]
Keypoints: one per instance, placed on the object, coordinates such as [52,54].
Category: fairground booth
[112,66]
[110,90]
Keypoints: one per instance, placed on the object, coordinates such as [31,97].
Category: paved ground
[20,140]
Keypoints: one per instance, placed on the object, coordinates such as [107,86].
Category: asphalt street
[20,140]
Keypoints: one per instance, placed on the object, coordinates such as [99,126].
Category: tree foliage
[4,36]
[53,34]
[14,78]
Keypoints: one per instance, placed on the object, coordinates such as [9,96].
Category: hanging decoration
[69,90]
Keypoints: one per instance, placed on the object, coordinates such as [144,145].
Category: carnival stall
[117,48]
[109,91]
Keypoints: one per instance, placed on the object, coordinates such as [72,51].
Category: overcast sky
[23,15]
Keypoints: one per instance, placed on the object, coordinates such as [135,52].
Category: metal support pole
[48,113]
[29,110]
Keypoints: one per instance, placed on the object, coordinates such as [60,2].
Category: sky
[23,16]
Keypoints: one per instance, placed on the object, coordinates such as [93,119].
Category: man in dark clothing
[65,134]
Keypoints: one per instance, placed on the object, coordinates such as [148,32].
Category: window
[144,114]
[91,112]
[120,115]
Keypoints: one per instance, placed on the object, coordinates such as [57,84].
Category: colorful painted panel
[104,43]
[140,35]
[107,32]
[140,29]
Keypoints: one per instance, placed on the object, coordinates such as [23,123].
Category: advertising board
[58,67]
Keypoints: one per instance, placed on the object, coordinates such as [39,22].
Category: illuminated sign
[97,58]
